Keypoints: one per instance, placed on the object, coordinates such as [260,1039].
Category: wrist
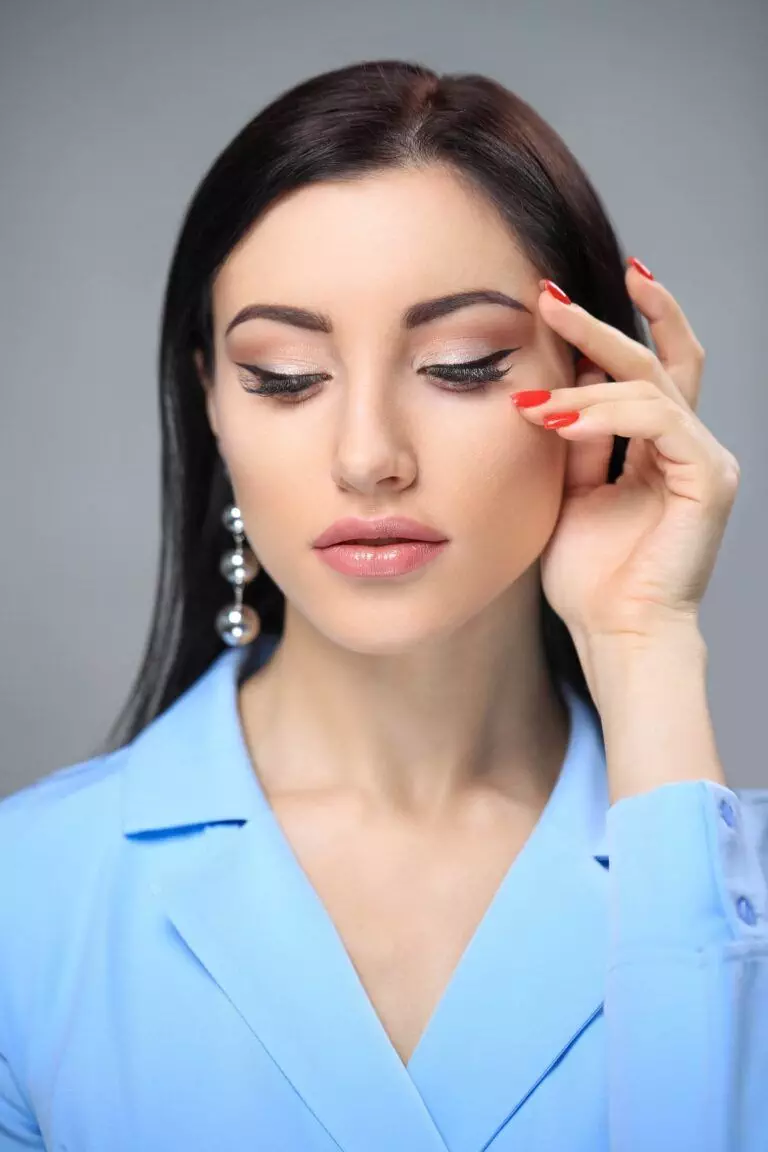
[651,694]
[611,661]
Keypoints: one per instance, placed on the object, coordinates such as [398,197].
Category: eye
[288,388]
[471,376]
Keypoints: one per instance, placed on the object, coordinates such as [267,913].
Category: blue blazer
[170,980]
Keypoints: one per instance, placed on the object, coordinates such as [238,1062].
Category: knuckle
[731,471]
[725,479]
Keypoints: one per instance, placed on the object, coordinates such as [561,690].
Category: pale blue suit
[171,982]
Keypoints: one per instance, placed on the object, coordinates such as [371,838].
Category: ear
[207,387]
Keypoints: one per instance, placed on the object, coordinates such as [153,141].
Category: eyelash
[472,376]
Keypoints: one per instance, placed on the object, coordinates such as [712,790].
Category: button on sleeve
[686,868]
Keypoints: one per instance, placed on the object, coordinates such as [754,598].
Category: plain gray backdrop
[110,112]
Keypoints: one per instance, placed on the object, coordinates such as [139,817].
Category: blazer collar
[191,765]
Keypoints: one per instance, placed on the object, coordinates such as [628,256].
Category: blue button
[745,910]
[726,811]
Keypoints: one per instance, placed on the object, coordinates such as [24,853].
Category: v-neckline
[252,661]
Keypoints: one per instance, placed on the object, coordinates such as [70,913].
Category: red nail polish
[560,419]
[531,397]
[553,290]
[641,268]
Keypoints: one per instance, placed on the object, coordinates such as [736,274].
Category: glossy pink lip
[385,528]
[379,560]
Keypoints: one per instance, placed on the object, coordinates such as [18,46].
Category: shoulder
[55,835]
[37,817]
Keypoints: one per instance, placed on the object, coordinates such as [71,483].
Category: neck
[419,731]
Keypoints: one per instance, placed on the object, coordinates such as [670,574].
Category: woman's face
[377,435]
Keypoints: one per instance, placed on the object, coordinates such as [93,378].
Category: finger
[586,465]
[677,347]
[616,353]
[692,460]
[588,460]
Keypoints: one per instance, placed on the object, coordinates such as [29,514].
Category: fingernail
[530,398]
[560,419]
[553,289]
[640,267]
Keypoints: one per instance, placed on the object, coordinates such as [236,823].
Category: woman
[419,839]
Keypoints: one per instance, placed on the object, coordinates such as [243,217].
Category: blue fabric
[169,978]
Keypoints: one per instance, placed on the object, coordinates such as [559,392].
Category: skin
[406,732]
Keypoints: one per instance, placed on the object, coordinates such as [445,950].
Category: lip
[389,527]
[380,560]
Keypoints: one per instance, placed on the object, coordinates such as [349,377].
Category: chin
[393,630]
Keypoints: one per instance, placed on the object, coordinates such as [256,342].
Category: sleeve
[17,1126]
[686,1005]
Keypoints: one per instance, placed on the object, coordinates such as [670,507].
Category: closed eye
[470,376]
[483,370]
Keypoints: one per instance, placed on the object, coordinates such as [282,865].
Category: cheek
[272,495]
[506,491]
[266,477]
[280,473]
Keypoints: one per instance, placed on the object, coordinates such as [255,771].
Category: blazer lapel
[532,978]
[530,981]
[265,938]
[237,895]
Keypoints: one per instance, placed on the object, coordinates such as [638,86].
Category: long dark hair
[344,123]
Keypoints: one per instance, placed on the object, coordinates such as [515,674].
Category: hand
[629,558]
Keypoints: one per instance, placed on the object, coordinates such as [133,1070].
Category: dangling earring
[237,623]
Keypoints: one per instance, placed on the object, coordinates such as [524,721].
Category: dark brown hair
[342,124]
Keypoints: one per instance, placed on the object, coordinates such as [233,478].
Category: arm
[686,1003]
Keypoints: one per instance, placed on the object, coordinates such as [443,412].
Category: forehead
[403,234]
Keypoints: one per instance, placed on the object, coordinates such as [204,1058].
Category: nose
[373,448]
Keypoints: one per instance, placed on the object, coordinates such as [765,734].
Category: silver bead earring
[237,623]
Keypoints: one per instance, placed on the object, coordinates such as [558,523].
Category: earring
[237,623]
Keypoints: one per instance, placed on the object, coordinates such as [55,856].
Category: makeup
[380,560]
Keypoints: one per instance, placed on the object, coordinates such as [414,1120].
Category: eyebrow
[417,314]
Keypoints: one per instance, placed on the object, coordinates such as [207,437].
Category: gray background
[110,112]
